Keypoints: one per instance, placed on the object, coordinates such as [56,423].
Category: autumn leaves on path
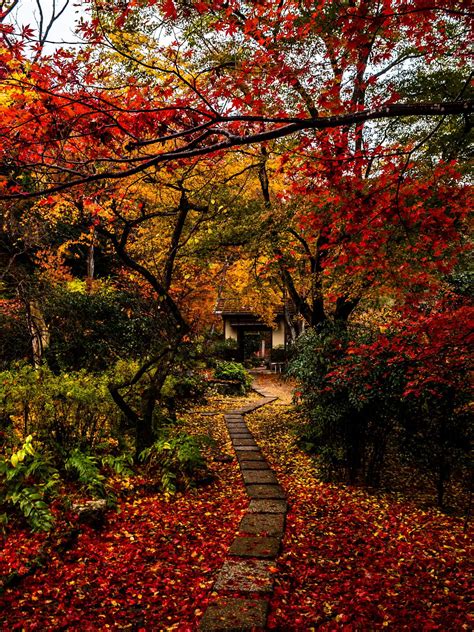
[247,575]
[203,558]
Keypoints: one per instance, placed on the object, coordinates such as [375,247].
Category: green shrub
[233,371]
[279,354]
[64,411]
[28,481]
[174,459]
[91,329]
[348,424]
[223,350]
[180,390]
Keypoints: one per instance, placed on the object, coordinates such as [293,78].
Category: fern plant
[85,468]
[121,464]
[174,459]
[28,480]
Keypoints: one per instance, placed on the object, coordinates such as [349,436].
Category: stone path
[249,570]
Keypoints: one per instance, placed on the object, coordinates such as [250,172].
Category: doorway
[257,346]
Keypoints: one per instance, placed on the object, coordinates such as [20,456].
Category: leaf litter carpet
[350,560]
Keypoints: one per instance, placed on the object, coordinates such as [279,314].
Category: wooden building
[254,337]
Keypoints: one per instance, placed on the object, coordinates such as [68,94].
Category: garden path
[247,575]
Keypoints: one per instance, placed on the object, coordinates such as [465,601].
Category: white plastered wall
[278,334]
[229,331]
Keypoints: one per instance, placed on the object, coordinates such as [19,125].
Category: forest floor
[351,559]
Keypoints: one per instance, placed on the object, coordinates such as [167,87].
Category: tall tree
[236,74]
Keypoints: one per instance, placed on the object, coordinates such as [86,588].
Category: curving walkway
[246,577]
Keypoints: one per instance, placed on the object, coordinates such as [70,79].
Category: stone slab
[247,455]
[265,491]
[267,506]
[239,434]
[254,465]
[248,448]
[265,476]
[245,576]
[235,615]
[243,442]
[255,546]
[270,524]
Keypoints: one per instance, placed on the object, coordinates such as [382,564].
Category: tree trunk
[144,435]
[38,331]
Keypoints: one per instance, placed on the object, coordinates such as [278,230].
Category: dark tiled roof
[238,306]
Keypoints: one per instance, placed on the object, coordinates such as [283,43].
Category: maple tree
[132,100]
[313,148]
[348,63]
[198,105]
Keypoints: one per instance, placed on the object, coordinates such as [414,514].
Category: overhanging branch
[192,149]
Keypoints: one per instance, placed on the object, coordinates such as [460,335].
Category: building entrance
[256,345]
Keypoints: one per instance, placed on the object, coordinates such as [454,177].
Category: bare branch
[193,149]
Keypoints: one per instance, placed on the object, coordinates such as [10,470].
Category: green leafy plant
[179,391]
[120,464]
[28,480]
[85,468]
[222,350]
[233,371]
[174,459]
[64,411]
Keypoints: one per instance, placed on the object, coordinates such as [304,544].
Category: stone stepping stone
[235,615]
[265,491]
[245,576]
[265,516]
[250,455]
[254,465]
[259,476]
[235,438]
[255,546]
[247,448]
[270,524]
[267,506]
[243,442]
